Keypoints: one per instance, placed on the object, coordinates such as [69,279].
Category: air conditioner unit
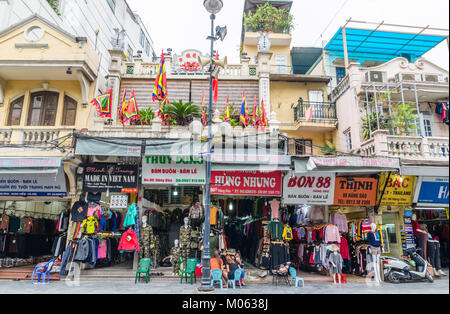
[375,76]
[106,159]
[408,77]
[431,78]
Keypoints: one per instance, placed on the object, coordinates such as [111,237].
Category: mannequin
[336,263]
[375,252]
[175,254]
[185,239]
[146,237]
[275,207]
[420,237]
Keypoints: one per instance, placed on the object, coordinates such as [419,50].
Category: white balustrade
[5,137]
[39,136]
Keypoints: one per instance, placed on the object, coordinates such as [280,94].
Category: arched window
[15,111]
[43,109]
[70,111]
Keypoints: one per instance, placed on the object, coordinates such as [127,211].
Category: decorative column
[113,81]
[263,61]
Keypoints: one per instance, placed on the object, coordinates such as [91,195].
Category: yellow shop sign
[399,190]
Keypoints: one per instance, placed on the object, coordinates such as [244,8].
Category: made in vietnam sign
[399,190]
[164,170]
[115,178]
[355,192]
[38,184]
[317,189]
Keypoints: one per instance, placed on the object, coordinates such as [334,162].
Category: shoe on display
[436,273]
[441,272]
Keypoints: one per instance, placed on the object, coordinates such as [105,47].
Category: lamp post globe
[213,6]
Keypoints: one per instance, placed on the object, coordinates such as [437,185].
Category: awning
[424,171]
[162,147]
[108,147]
[360,165]
[249,167]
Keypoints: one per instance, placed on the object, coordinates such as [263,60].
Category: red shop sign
[252,183]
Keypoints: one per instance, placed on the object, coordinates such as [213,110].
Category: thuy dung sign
[399,190]
[250,183]
[118,178]
[317,189]
[355,192]
[188,170]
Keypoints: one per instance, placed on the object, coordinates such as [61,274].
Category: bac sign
[309,189]
[399,190]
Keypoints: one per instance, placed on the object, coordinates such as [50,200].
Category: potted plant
[183,113]
[270,19]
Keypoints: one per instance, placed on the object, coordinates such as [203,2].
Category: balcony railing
[320,111]
[31,135]
[406,147]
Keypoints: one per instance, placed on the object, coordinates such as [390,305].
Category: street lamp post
[213,7]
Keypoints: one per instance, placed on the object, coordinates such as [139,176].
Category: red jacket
[129,241]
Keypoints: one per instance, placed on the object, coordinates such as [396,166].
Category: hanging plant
[270,19]
[54,4]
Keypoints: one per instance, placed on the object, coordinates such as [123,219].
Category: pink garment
[316,214]
[332,234]
[102,249]
[340,220]
[275,207]
[92,209]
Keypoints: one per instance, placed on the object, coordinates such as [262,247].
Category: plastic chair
[293,273]
[216,277]
[144,268]
[42,271]
[190,270]
[237,278]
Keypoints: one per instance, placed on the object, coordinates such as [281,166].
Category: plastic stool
[343,278]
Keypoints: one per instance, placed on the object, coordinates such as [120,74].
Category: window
[43,108]
[428,125]
[147,47]
[15,111]
[281,64]
[142,39]
[348,140]
[112,4]
[70,111]
[340,74]
[130,54]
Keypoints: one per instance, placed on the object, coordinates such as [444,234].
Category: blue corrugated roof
[377,45]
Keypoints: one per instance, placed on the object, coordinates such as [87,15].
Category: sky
[185,24]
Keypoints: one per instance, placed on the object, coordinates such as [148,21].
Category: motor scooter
[397,269]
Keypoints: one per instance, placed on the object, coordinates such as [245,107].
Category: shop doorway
[393,226]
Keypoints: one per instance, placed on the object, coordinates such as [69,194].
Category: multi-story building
[98,21]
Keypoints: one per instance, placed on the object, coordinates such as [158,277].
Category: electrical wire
[331,21]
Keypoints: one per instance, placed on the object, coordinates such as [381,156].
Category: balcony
[323,116]
[14,139]
[413,148]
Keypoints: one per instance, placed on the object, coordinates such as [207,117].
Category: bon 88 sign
[317,189]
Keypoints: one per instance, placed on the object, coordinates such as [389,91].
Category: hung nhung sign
[115,178]
[399,190]
[355,191]
[168,170]
[250,183]
[310,189]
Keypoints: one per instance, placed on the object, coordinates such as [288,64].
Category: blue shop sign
[433,191]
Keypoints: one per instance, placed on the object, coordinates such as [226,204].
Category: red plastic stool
[343,278]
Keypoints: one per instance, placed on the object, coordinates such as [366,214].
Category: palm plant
[183,113]
[329,149]
[147,115]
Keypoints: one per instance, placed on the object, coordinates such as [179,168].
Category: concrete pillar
[263,61]
[381,143]
[245,71]
[113,81]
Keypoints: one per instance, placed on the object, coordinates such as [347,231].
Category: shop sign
[317,189]
[409,235]
[116,178]
[432,191]
[187,170]
[358,162]
[251,183]
[119,201]
[355,192]
[399,190]
[19,162]
[39,184]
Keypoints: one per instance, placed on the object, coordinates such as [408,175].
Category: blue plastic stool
[237,278]
[216,277]
[293,274]
[43,271]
